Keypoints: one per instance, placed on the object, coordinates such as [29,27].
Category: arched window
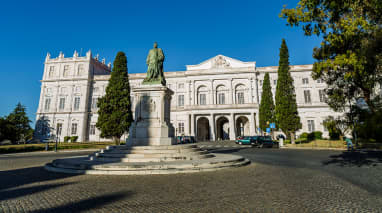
[240,95]
[221,94]
[202,95]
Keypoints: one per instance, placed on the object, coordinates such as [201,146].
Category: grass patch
[319,144]
[61,146]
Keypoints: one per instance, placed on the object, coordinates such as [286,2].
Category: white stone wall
[212,77]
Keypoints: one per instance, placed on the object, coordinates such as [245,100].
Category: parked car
[189,139]
[180,139]
[247,140]
[266,142]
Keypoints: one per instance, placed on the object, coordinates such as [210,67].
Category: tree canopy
[349,58]
[114,114]
[16,126]
[267,107]
[287,118]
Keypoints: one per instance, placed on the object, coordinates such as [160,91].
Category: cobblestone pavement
[278,180]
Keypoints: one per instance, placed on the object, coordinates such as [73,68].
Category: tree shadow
[356,158]
[88,204]
[19,177]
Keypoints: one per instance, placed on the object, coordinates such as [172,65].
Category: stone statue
[154,63]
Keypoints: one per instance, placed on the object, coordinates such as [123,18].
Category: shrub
[66,138]
[317,135]
[73,139]
[304,135]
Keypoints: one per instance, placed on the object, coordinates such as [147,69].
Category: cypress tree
[286,107]
[114,114]
[20,122]
[267,108]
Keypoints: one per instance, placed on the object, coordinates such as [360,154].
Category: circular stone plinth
[137,164]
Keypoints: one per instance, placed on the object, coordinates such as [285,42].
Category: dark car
[189,139]
[247,140]
[266,142]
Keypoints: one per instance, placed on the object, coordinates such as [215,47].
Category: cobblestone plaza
[282,180]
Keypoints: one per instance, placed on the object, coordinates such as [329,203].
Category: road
[277,180]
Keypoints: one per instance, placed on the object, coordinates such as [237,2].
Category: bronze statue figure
[154,63]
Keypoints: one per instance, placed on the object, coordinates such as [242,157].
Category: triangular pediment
[220,62]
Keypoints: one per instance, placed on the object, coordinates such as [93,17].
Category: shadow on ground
[88,204]
[356,158]
[17,178]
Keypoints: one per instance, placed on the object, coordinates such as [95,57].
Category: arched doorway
[242,126]
[222,127]
[203,129]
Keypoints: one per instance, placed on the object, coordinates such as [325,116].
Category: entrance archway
[222,127]
[203,129]
[242,126]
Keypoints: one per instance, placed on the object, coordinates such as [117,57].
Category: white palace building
[217,99]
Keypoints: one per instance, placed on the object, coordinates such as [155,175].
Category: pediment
[221,62]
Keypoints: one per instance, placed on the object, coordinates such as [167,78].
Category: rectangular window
[74,129]
[94,103]
[62,103]
[202,99]
[180,86]
[319,81]
[59,129]
[221,98]
[322,95]
[261,82]
[47,104]
[66,70]
[305,81]
[180,100]
[92,129]
[76,103]
[181,128]
[307,96]
[311,126]
[274,82]
[240,97]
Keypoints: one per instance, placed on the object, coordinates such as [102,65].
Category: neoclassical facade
[217,99]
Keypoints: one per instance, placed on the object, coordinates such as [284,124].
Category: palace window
[221,98]
[311,126]
[92,129]
[94,103]
[77,103]
[305,81]
[319,81]
[66,70]
[307,96]
[261,82]
[181,128]
[80,69]
[274,82]
[96,89]
[62,104]
[180,86]
[322,95]
[59,129]
[180,100]
[202,99]
[74,128]
[51,71]
[240,97]
[47,104]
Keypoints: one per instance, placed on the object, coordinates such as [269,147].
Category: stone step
[180,146]
[152,159]
[150,151]
[216,167]
[149,155]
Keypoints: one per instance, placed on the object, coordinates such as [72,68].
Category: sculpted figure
[154,63]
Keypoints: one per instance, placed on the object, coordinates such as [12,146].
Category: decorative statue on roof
[154,63]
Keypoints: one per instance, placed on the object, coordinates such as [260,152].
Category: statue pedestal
[151,125]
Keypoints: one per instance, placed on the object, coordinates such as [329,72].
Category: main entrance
[203,129]
[222,128]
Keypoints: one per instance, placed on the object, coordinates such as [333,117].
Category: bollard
[46,146]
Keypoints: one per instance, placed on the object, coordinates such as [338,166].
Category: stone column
[250,99]
[252,124]
[193,125]
[194,93]
[232,91]
[232,135]
[212,127]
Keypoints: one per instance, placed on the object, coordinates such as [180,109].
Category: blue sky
[189,32]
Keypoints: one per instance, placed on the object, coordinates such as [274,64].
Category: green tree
[7,130]
[114,114]
[349,58]
[287,118]
[19,119]
[267,107]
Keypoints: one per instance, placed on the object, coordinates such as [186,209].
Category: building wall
[239,82]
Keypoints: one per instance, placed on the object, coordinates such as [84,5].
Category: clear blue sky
[188,31]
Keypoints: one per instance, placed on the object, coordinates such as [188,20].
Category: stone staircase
[137,160]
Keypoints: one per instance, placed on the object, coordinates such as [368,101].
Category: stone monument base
[152,126]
